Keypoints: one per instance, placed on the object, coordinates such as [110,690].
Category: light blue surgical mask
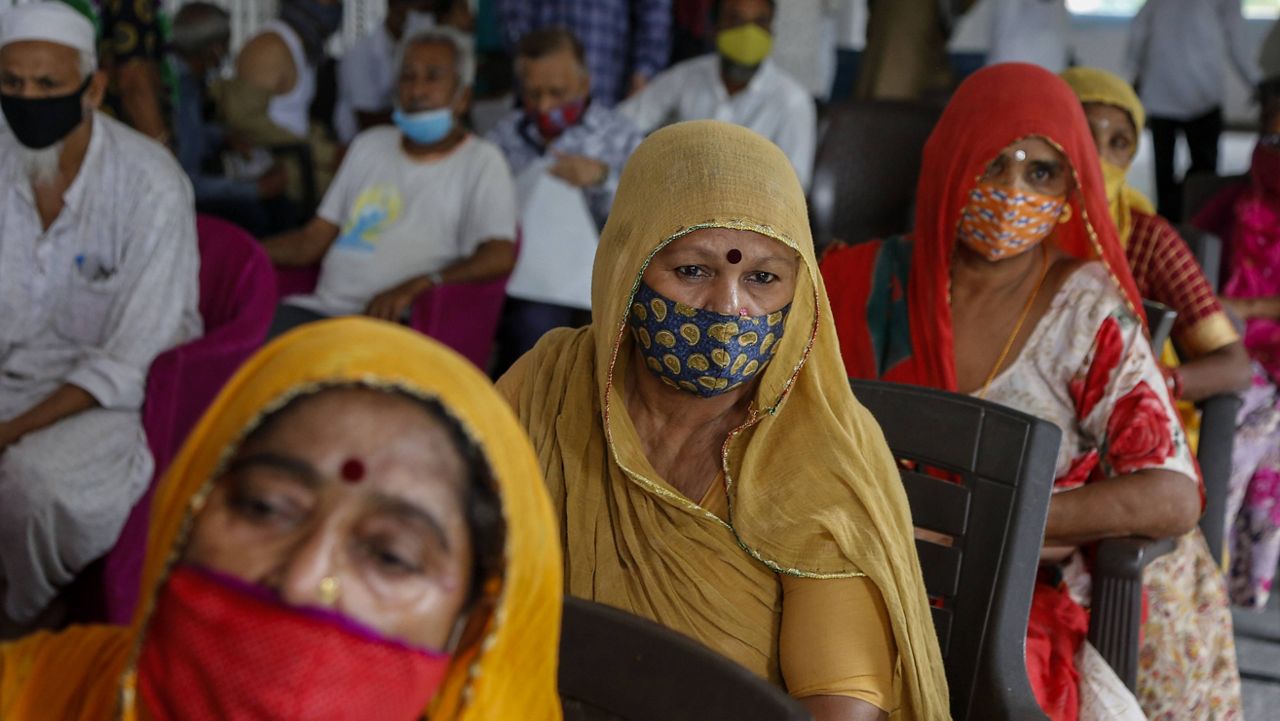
[426,127]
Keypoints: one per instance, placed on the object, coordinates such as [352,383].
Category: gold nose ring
[330,589]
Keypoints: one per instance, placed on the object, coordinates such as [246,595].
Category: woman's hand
[1153,503]
[1247,308]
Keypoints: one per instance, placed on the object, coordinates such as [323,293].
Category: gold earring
[330,589]
[1066,215]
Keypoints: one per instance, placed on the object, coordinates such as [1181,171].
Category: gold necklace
[1017,328]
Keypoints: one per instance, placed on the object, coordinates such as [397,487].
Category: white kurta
[773,104]
[112,283]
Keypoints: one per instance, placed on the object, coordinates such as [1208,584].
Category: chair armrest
[301,154]
[1217,443]
[1115,617]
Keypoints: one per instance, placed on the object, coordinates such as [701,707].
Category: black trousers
[1202,135]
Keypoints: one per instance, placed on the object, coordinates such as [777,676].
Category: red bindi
[734,256]
[353,470]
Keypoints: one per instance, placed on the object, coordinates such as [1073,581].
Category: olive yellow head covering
[1093,85]
[813,490]
[86,673]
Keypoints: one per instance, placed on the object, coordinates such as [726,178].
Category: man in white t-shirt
[413,206]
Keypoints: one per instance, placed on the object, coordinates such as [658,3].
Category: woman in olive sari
[707,461]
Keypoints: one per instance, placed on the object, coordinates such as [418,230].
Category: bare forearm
[304,246]
[139,93]
[1151,504]
[66,401]
[1225,370]
[493,259]
[841,708]
[1254,307]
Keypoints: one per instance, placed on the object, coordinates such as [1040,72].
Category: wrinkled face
[1031,165]
[429,78]
[741,12]
[551,81]
[39,69]
[288,514]
[699,270]
[1113,133]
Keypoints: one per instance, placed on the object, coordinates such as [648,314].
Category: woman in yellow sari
[356,529]
[707,461]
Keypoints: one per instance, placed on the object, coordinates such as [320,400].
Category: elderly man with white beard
[98,275]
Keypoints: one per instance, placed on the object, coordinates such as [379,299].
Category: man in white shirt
[99,273]
[367,71]
[413,206]
[1030,31]
[739,83]
[1177,50]
[567,152]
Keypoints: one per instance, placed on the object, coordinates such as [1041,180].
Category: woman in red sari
[1013,287]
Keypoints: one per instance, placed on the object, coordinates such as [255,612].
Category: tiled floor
[1261,699]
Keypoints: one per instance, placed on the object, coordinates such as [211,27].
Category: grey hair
[463,51]
[199,25]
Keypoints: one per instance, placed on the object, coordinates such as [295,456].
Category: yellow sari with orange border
[86,673]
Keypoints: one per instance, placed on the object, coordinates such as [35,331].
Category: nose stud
[329,591]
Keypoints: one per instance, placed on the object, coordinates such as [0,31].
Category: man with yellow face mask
[739,83]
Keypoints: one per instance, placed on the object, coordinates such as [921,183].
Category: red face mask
[218,648]
[553,122]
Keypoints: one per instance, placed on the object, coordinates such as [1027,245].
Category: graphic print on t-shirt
[376,208]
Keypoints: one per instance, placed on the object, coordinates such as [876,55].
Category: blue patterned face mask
[701,351]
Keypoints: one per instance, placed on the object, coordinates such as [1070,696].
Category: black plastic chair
[1217,413]
[301,154]
[1199,189]
[995,515]
[866,168]
[618,667]
[1160,319]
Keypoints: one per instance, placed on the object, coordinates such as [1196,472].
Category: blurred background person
[567,152]
[1176,58]
[739,83]
[626,42]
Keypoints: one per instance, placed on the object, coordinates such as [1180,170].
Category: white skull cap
[50,21]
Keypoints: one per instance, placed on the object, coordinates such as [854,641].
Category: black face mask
[40,122]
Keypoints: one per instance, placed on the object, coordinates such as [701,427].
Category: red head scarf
[992,109]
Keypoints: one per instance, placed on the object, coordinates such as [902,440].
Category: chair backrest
[1199,188]
[237,299]
[1000,469]
[618,667]
[866,168]
[1160,319]
[236,277]
[463,316]
[1207,249]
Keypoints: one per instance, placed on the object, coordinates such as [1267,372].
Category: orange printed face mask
[1001,223]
